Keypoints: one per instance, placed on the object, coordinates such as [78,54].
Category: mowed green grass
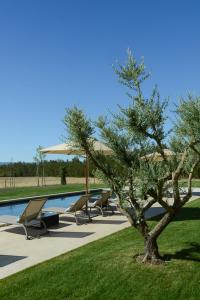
[106,269]
[22,192]
[195,183]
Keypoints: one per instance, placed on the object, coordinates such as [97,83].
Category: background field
[7,182]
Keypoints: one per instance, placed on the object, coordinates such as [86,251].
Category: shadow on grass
[189,253]
[186,213]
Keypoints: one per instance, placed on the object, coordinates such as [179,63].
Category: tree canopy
[135,131]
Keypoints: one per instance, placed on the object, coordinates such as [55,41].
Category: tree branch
[189,192]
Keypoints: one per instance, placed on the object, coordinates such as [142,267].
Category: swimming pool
[16,208]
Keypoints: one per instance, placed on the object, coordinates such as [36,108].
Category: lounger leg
[88,214]
[90,211]
[44,225]
[101,210]
[26,232]
[76,218]
[112,208]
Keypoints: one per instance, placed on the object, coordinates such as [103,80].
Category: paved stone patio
[17,253]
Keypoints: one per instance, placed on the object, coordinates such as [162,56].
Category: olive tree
[139,179]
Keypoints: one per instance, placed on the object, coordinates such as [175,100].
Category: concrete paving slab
[17,253]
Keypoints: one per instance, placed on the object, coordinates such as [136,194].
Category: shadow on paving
[186,213]
[33,232]
[114,222]
[93,214]
[152,212]
[9,259]
[195,193]
[69,234]
[191,253]
[81,219]
[60,225]
[38,233]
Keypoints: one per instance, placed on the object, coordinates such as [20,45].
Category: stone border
[49,196]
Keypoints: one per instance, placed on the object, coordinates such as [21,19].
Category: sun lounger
[30,216]
[79,205]
[102,203]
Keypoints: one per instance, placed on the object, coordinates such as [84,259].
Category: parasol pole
[87,183]
[87,175]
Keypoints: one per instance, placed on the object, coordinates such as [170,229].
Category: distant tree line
[73,168]
[54,168]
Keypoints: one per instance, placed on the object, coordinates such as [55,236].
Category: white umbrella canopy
[71,149]
[68,149]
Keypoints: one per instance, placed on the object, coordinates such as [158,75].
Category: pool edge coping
[48,196]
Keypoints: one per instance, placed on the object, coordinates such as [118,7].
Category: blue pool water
[15,209]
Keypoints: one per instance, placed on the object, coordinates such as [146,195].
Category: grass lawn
[21,192]
[105,269]
[195,182]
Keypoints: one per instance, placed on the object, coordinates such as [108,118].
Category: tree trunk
[151,253]
[151,249]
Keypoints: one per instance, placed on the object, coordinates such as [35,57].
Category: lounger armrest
[34,222]
[68,209]
[112,200]
[92,204]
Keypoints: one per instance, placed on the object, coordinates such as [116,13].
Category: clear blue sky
[56,54]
